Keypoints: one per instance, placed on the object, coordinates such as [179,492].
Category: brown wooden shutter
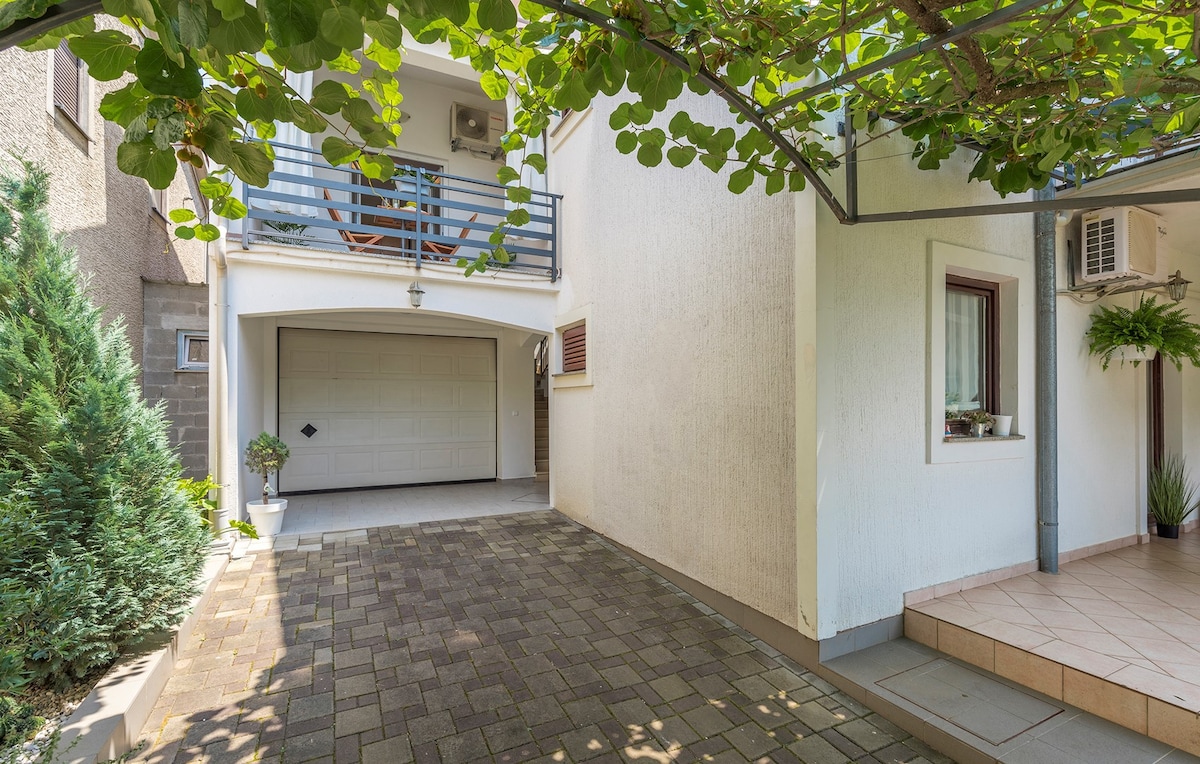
[66,81]
[575,348]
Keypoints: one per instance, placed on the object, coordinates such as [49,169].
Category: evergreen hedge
[98,546]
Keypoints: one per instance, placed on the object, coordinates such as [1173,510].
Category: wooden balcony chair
[358,241]
[445,251]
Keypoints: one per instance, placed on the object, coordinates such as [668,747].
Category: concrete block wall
[167,308]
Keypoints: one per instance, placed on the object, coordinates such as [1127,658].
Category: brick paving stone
[516,638]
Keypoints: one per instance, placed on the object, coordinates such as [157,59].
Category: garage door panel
[389,409]
[310,361]
[476,457]
[360,362]
[397,363]
[291,430]
[476,366]
[437,365]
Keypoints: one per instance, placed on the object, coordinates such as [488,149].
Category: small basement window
[192,351]
[574,349]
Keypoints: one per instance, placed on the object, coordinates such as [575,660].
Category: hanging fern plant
[1165,328]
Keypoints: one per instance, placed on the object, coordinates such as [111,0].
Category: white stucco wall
[683,446]
[890,521]
[106,215]
[304,288]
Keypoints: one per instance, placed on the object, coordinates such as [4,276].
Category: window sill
[984,439]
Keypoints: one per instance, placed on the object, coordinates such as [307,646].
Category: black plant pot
[1168,531]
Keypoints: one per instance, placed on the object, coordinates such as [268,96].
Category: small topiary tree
[98,545]
[264,455]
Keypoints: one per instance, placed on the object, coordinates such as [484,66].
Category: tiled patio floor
[515,638]
[1117,634]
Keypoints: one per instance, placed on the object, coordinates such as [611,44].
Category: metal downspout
[1047,385]
[218,372]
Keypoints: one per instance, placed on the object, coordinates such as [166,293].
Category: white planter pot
[267,519]
[1132,354]
[1001,426]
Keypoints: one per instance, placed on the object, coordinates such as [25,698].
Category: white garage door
[363,409]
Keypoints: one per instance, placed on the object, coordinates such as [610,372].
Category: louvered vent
[66,81]
[574,345]
[1120,242]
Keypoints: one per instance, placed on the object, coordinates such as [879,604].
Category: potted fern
[1136,335]
[264,455]
[1170,495]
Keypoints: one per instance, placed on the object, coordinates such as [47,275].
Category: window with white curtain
[972,318]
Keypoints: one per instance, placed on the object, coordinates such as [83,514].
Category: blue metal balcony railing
[418,214]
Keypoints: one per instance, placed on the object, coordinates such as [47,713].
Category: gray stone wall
[167,308]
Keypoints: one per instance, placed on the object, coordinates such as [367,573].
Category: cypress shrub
[98,546]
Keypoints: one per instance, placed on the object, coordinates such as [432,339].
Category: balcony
[421,214]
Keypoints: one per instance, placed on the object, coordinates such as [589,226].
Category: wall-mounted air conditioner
[476,130]
[1120,242]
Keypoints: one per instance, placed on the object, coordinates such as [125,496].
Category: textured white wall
[105,214]
[684,447]
[889,522]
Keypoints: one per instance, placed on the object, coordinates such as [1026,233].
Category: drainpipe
[1047,385]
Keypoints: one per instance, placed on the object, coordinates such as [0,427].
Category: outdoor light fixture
[1177,287]
[415,293]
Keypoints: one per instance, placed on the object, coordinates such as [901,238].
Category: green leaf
[193,23]
[230,9]
[572,93]
[494,84]
[507,174]
[518,194]
[291,22]
[376,166]
[680,124]
[159,74]
[626,141]
[108,53]
[244,33]
[181,215]
[207,232]
[518,217]
[650,155]
[343,26]
[543,71]
[681,156]
[775,182]
[619,119]
[740,180]
[536,161]
[497,15]
[329,96]
[338,151]
[138,9]
[185,232]
[386,31]
[123,105]
[145,160]
[229,208]
[250,163]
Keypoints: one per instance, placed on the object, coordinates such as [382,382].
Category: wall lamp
[1176,287]
[415,293]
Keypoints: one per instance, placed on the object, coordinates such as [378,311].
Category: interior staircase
[541,434]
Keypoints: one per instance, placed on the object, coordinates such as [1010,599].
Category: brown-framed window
[574,348]
[972,344]
[68,83]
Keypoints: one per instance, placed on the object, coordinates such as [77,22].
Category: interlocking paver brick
[506,639]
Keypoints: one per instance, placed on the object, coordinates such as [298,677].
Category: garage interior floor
[409,505]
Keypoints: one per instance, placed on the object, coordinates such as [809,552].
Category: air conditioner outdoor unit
[476,130]
[1120,242]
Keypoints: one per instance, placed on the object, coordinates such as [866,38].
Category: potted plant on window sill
[1170,495]
[264,455]
[980,420]
[1136,335]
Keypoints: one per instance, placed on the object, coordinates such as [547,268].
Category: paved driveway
[512,638]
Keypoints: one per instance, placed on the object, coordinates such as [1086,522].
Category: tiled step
[977,717]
